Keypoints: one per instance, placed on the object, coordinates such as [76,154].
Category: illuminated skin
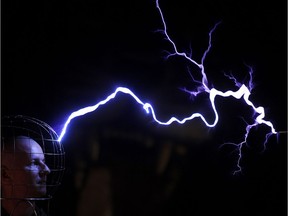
[24,174]
[203,87]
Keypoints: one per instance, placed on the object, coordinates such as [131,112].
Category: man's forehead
[27,145]
[21,150]
[22,144]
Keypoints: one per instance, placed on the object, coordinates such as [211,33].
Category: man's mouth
[42,182]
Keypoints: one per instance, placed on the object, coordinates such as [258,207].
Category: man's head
[23,169]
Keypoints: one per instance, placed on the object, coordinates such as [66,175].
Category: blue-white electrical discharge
[242,92]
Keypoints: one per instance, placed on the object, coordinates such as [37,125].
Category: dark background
[60,56]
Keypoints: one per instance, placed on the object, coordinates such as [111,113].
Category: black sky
[72,52]
[60,56]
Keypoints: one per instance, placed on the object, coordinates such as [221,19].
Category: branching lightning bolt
[242,92]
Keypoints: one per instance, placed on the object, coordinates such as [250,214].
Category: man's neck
[19,207]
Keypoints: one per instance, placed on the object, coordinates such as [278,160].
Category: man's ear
[5,174]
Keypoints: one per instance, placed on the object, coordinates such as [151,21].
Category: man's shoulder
[39,211]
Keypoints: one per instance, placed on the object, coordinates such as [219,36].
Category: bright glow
[212,93]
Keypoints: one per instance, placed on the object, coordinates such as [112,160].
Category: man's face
[27,169]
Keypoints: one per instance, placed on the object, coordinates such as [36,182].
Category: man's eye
[35,162]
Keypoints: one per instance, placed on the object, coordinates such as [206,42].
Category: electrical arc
[244,91]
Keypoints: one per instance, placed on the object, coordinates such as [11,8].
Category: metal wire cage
[46,137]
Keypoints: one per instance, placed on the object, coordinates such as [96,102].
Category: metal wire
[46,137]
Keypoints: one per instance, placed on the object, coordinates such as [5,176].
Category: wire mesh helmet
[52,152]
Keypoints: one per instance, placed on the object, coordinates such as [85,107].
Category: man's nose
[45,169]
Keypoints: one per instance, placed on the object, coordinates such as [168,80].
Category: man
[23,176]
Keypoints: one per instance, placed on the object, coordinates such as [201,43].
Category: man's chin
[41,191]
